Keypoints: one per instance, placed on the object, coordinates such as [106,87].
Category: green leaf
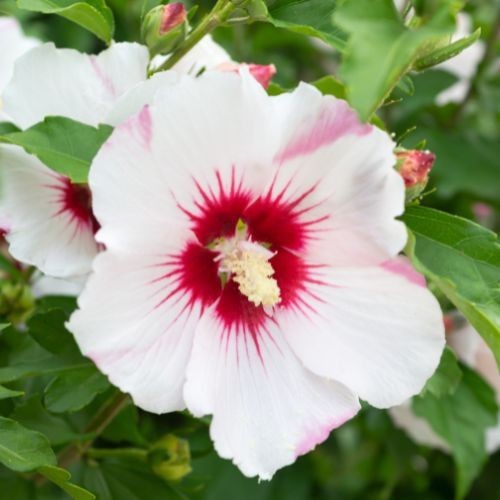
[31,360]
[308,17]
[461,419]
[64,145]
[381,49]
[7,128]
[329,85]
[8,393]
[21,449]
[463,260]
[32,414]
[61,477]
[125,428]
[49,331]
[71,391]
[93,15]
[447,376]
[126,480]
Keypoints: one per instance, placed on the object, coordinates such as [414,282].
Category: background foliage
[53,402]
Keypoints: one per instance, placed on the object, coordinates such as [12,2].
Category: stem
[117,452]
[217,16]
[95,427]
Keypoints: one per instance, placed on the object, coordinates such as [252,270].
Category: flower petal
[346,169]
[267,408]
[68,83]
[190,142]
[372,329]
[41,230]
[12,37]
[133,333]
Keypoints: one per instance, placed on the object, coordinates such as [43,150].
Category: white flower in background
[13,44]
[473,351]
[251,267]
[48,220]
[464,65]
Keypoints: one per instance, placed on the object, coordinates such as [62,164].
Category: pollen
[254,275]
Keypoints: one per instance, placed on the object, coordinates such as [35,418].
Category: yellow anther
[253,273]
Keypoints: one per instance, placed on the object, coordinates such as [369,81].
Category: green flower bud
[164,28]
[170,458]
[16,302]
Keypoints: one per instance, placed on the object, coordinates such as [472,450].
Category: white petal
[194,131]
[347,168]
[375,330]
[136,336]
[267,408]
[14,44]
[71,84]
[39,232]
[46,285]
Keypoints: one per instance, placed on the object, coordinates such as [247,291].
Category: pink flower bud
[414,166]
[263,73]
[164,27]
[173,15]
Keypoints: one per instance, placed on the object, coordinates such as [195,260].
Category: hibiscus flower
[251,269]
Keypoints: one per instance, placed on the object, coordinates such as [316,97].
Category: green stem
[117,452]
[95,427]
[217,16]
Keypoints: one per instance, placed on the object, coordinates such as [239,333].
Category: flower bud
[16,302]
[170,458]
[263,73]
[164,28]
[414,166]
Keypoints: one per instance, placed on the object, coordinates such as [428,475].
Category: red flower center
[269,218]
[76,199]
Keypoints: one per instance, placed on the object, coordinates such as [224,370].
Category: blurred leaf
[48,330]
[32,414]
[308,17]
[124,428]
[463,260]
[126,480]
[21,449]
[447,376]
[381,46]
[64,145]
[93,15]
[329,85]
[28,359]
[71,391]
[464,162]
[461,419]
[61,477]
[7,128]
[7,393]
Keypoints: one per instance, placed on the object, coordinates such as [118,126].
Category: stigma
[247,264]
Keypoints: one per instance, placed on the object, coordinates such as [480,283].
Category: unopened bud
[170,458]
[16,302]
[164,28]
[263,73]
[414,166]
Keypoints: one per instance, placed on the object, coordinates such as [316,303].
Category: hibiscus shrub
[249,249]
